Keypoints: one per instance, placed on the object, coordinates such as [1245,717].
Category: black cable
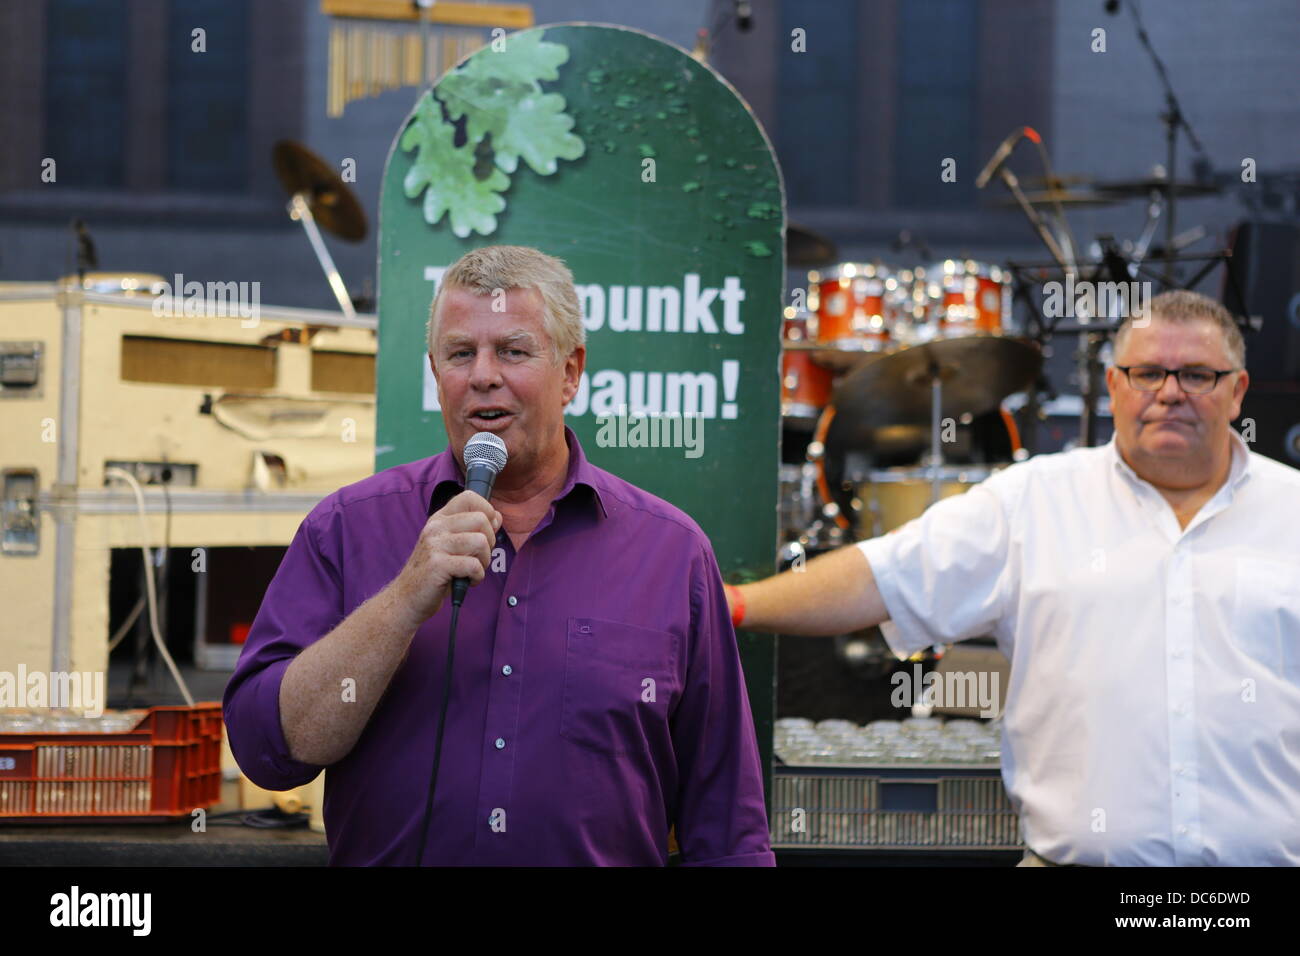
[442,722]
[272,819]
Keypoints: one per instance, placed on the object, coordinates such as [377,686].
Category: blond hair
[1183,305]
[494,269]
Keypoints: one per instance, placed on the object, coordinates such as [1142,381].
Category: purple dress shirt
[597,696]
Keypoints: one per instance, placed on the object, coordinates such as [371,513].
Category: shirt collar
[1238,472]
[583,477]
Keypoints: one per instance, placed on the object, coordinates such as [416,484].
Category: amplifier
[1274,410]
[1266,264]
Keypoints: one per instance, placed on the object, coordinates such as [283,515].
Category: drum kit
[896,381]
[880,363]
[880,369]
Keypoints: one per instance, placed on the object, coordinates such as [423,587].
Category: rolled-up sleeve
[722,817]
[302,604]
[944,576]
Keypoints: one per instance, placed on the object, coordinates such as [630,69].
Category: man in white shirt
[1147,594]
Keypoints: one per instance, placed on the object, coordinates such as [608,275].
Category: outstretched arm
[835,593]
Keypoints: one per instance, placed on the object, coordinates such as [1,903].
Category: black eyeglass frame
[1177,372]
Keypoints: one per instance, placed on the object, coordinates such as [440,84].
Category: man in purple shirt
[596,697]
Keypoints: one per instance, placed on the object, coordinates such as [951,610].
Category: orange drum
[855,305]
[969,297]
[805,385]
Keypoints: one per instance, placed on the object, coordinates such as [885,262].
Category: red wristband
[737,604]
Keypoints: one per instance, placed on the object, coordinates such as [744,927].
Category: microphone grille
[485,449]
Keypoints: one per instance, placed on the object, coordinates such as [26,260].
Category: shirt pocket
[618,682]
[1266,615]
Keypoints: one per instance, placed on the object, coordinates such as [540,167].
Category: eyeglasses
[1194,381]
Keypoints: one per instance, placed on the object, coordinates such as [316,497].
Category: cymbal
[803,247]
[817,346]
[1144,187]
[1066,197]
[837,358]
[333,205]
[977,372]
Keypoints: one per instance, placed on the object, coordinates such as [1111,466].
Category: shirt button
[500,744]
[1182,829]
[507,670]
[512,600]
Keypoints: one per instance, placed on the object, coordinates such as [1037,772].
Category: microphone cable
[485,455]
[442,722]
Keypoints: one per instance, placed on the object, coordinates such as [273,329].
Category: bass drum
[891,497]
[869,480]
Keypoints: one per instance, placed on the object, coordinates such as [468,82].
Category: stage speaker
[1266,264]
[1274,409]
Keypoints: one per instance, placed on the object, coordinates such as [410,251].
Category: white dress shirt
[1153,712]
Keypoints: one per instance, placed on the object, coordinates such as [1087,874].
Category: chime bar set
[413,47]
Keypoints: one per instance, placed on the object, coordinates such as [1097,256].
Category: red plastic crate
[165,768]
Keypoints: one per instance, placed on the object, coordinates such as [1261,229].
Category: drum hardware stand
[1121,269]
[1091,369]
[1067,257]
[318,198]
[300,211]
[1028,275]
[1118,268]
[936,446]
[1092,372]
[1036,221]
[1038,333]
[1148,233]
[1173,119]
[1069,266]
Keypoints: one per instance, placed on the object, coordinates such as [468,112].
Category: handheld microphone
[485,456]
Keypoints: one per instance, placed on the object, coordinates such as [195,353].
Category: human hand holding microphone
[455,545]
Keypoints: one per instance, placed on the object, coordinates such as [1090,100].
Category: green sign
[645,172]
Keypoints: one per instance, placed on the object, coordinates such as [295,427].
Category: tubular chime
[380,45]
